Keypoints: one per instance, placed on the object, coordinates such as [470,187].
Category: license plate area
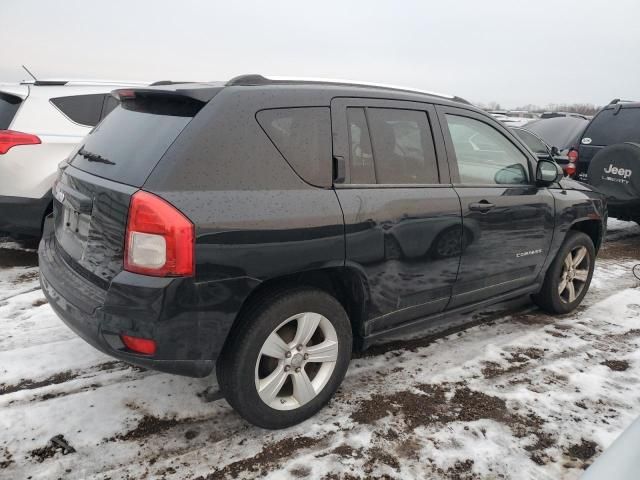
[72,230]
[76,223]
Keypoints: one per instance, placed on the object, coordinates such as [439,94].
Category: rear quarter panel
[255,219]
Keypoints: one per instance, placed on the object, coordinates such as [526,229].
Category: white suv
[41,122]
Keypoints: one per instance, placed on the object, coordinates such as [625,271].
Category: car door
[402,216]
[508,218]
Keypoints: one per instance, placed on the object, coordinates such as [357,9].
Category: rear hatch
[94,189]
[615,124]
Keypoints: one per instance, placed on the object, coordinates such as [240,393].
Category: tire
[550,298]
[621,188]
[244,365]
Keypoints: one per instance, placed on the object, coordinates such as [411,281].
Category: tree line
[582,108]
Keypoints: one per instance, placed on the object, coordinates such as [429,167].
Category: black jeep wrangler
[609,157]
[265,228]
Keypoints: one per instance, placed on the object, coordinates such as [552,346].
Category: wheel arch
[347,284]
[592,227]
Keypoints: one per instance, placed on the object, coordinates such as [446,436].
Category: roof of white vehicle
[80,82]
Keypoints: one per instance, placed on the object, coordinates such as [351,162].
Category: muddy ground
[514,393]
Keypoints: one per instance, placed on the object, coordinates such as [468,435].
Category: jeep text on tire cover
[624,172]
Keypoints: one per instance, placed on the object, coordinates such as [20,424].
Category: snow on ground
[517,394]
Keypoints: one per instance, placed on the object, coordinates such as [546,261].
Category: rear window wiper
[94,157]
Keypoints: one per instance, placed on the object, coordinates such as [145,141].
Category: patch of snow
[546,377]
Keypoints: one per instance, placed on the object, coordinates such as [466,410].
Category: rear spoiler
[199,92]
[21,91]
[179,102]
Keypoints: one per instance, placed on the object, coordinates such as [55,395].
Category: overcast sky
[512,52]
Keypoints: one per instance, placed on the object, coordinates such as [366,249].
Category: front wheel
[569,276]
[286,358]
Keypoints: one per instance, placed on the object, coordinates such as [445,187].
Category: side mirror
[554,151]
[548,173]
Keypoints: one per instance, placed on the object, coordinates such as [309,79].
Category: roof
[260,80]
[78,82]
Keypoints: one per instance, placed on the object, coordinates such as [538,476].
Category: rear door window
[303,137]
[361,166]
[390,146]
[9,105]
[82,109]
[609,127]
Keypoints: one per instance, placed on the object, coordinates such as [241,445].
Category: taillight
[570,169]
[10,139]
[159,239]
[573,155]
[146,346]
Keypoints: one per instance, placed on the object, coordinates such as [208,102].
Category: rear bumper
[23,216]
[134,305]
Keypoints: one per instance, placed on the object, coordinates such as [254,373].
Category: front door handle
[482,206]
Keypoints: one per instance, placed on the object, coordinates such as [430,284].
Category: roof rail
[168,82]
[257,79]
[49,83]
[616,101]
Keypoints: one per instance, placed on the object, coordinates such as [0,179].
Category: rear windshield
[608,127]
[127,145]
[9,105]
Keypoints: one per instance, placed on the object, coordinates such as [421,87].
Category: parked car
[265,228]
[563,133]
[514,118]
[41,122]
[609,154]
[564,114]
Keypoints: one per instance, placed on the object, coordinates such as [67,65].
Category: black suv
[267,227]
[609,157]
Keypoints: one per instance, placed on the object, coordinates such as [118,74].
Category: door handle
[482,206]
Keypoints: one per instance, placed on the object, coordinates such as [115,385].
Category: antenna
[30,74]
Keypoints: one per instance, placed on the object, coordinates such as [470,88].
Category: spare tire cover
[615,171]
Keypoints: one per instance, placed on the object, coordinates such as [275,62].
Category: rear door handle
[482,206]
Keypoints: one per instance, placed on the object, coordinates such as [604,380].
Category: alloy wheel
[574,275]
[296,361]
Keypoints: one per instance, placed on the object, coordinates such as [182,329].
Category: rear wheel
[286,358]
[568,279]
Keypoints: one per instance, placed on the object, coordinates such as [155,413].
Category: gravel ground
[515,394]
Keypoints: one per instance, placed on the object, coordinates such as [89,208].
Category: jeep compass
[265,228]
